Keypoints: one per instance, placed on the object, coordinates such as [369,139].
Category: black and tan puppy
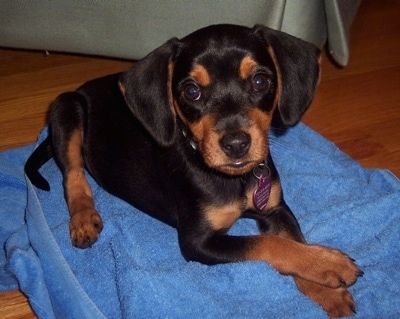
[183,136]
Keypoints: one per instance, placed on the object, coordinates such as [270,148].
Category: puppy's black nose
[236,145]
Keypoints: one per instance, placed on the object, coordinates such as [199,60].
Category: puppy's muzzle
[236,144]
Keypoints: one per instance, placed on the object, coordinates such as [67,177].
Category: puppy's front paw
[332,268]
[85,228]
[337,302]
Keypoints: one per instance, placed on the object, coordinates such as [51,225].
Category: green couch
[132,28]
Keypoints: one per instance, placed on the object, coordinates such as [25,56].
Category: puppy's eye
[191,92]
[261,82]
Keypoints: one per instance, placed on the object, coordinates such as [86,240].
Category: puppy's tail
[37,159]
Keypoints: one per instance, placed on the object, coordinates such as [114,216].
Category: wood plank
[14,305]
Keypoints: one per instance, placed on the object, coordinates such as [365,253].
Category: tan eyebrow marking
[247,66]
[201,75]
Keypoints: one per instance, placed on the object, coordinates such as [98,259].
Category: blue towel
[136,270]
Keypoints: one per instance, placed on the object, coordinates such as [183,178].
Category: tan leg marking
[319,264]
[85,223]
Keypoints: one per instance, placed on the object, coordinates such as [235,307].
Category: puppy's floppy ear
[297,66]
[147,91]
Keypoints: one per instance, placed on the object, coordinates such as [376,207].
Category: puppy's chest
[253,192]
[255,195]
[228,192]
[252,197]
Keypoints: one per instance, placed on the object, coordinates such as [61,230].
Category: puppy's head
[224,83]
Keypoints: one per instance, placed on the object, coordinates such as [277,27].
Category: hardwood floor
[357,107]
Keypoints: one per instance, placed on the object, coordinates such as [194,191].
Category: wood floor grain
[357,107]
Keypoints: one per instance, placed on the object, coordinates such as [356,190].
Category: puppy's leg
[320,272]
[205,239]
[337,302]
[67,137]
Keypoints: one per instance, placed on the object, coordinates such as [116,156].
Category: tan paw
[337,302]
[330,267]
[85,228]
